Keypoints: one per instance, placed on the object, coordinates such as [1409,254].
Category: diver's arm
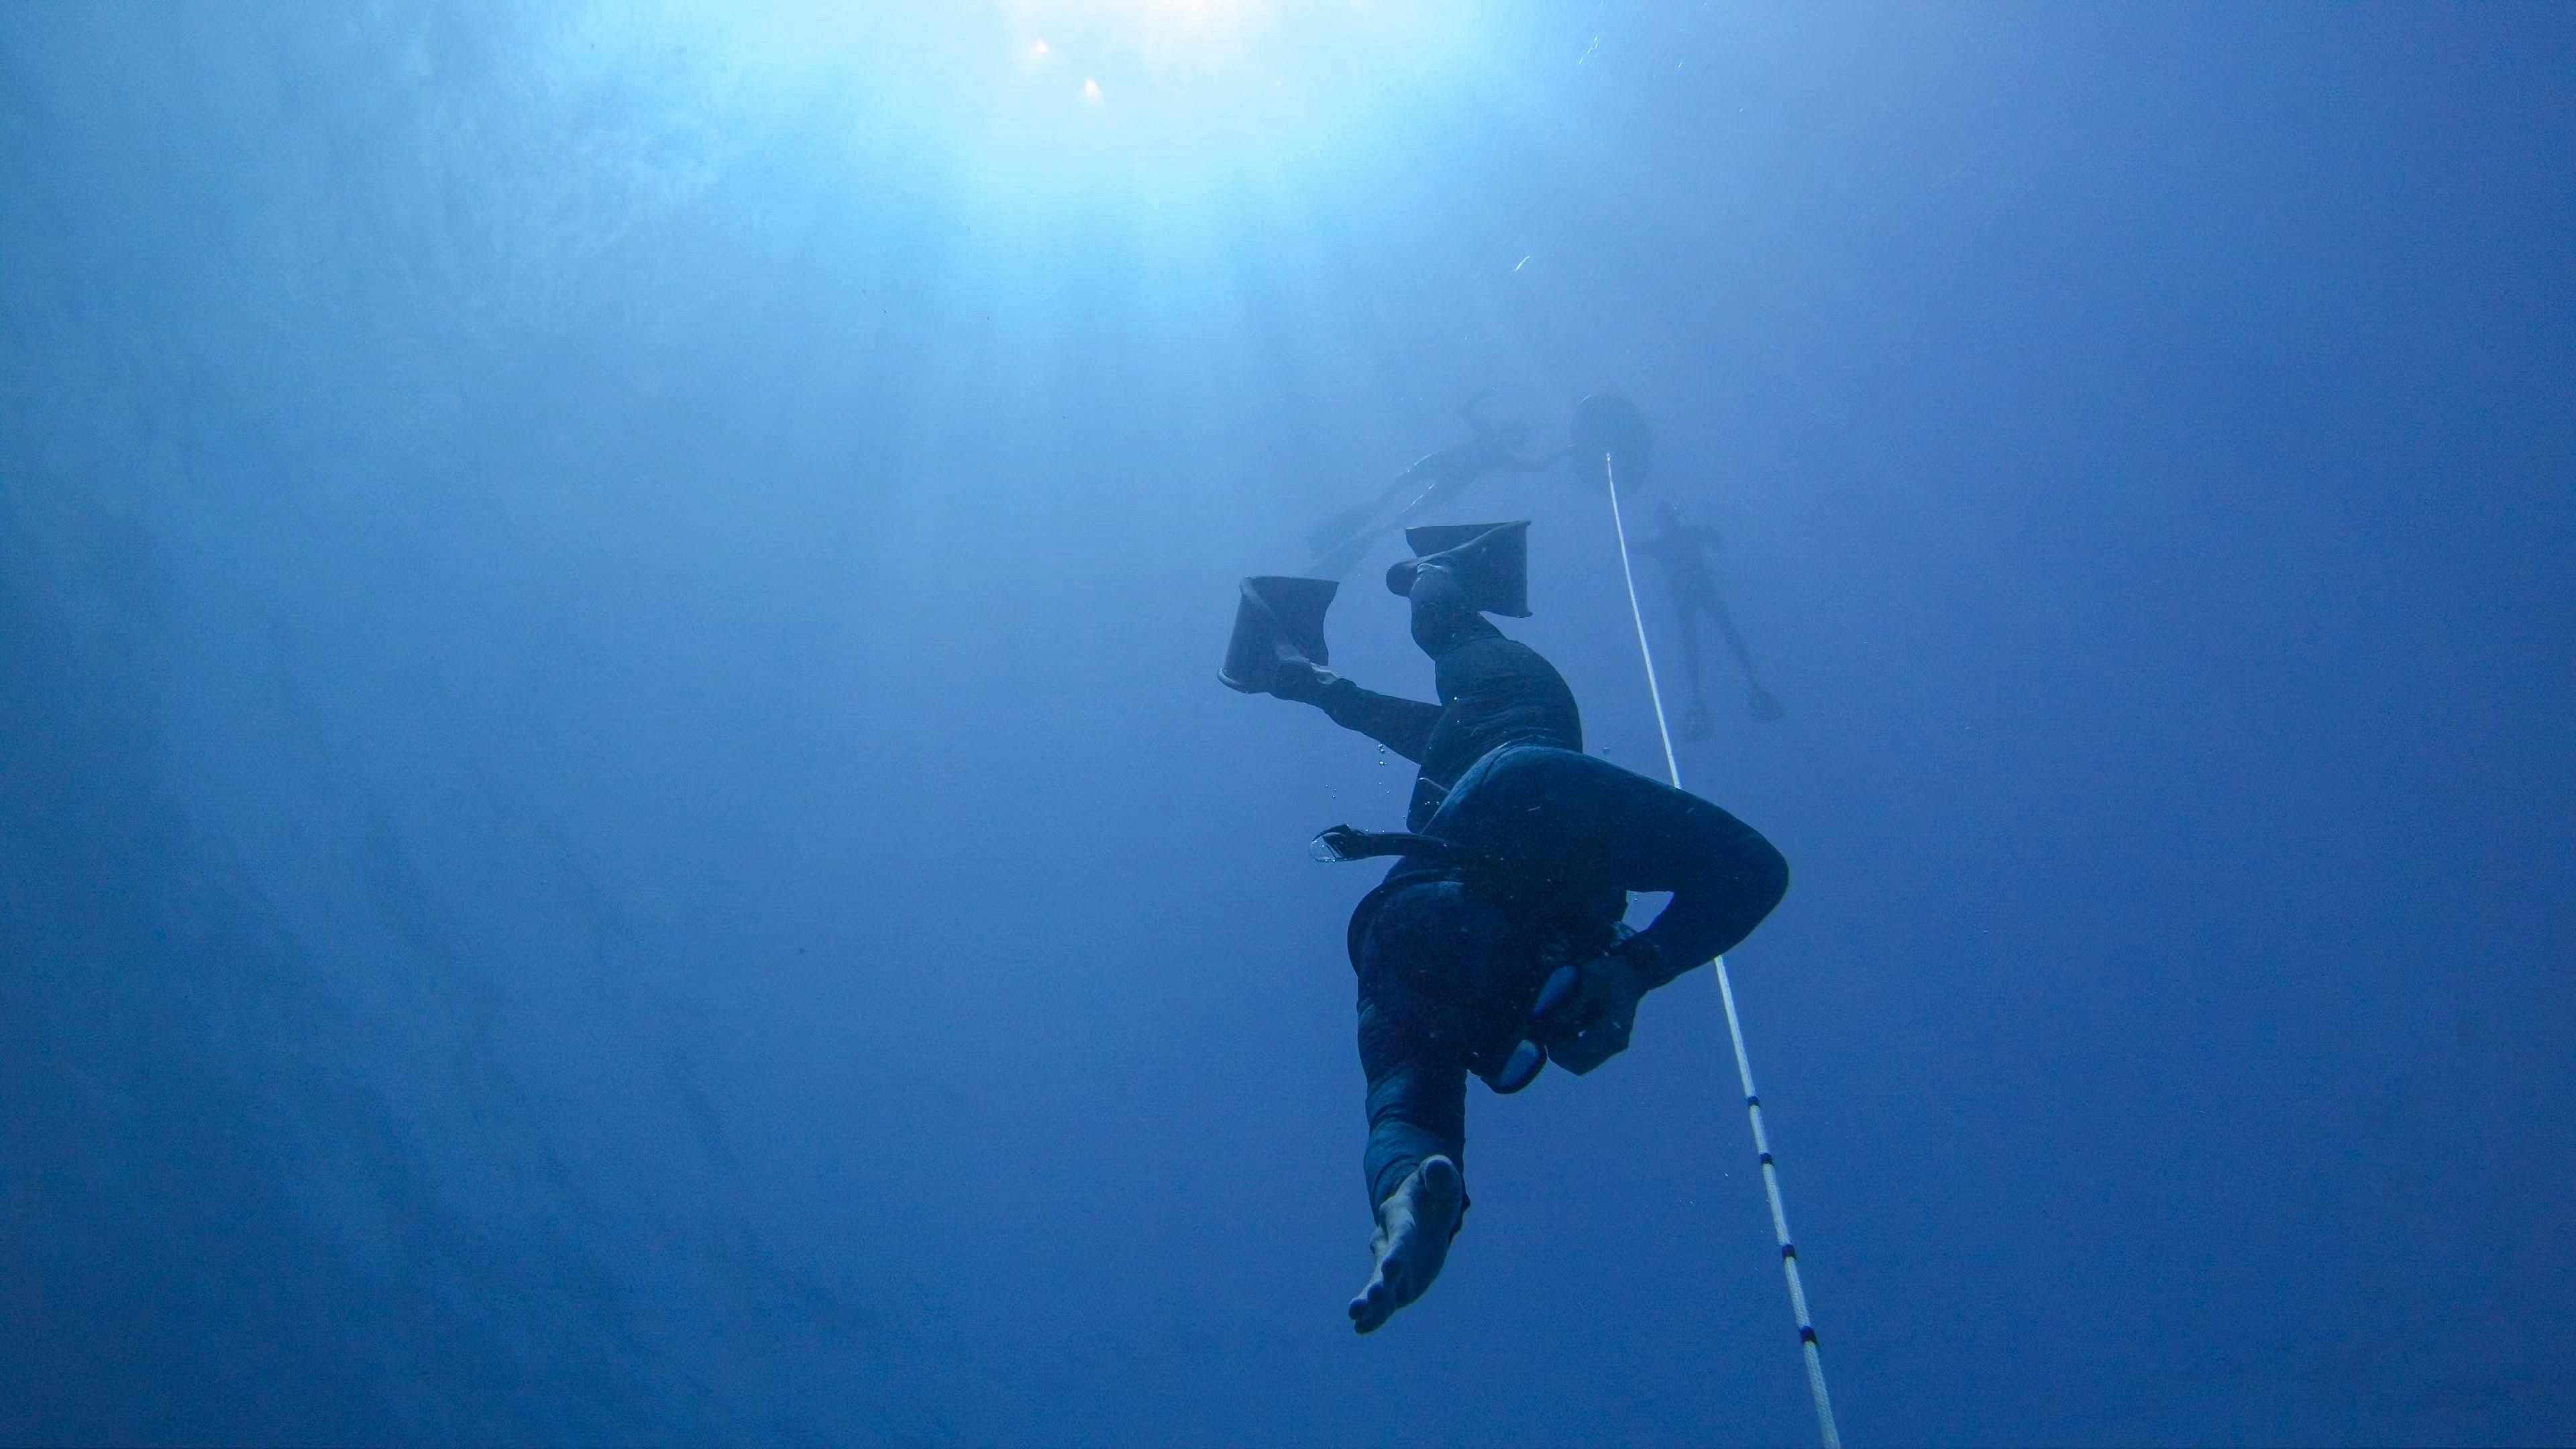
[1721,890]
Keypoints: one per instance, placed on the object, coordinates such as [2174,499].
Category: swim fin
[1277,618]
[1609,433]
[1489,560]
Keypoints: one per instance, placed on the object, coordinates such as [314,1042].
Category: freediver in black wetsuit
[1345,539]
[1495,944]
[1683,549]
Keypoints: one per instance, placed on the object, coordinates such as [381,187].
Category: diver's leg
[1338,562]
[1345,527]
[1414,1228]
[1686,610]
[1342,527]
[1686,620]
[1427,1018]
[1758,701]
[1436,489]
[1417,1089]
[1444,614]
[1417,1109]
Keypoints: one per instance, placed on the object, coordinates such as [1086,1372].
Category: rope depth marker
[1807,1346]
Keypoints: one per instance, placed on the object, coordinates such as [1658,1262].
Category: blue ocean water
[616,824]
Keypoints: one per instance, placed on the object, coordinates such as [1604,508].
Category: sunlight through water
[1096,103]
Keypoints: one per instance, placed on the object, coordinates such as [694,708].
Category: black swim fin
[1277,618]
[1489,560]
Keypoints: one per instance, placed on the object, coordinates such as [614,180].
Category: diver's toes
[1371,1310]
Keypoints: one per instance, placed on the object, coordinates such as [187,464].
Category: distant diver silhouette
[1495,944]
[1344,540]
[1682,548]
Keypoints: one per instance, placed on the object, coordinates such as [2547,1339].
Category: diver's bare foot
[1414,1227]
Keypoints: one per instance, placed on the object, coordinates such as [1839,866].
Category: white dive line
[1734,1025]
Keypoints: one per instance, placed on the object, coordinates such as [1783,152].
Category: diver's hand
[1584,1013]
[1301,681]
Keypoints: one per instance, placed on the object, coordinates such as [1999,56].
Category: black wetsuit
[1452,950]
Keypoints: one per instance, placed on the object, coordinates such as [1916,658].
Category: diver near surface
[1683,549]
[1345,539]
[1495,942]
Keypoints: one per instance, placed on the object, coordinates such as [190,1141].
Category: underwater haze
[616,823]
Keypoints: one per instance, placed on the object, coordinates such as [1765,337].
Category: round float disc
[1609,426]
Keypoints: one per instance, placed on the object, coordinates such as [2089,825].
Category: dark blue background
[615,824]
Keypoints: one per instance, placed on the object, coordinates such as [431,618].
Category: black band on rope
[1752,1103]
[1766,1159]
[1789,1252]
[1807,1336]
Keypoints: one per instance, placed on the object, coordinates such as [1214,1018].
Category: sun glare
[1171,94]
[1167,35]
